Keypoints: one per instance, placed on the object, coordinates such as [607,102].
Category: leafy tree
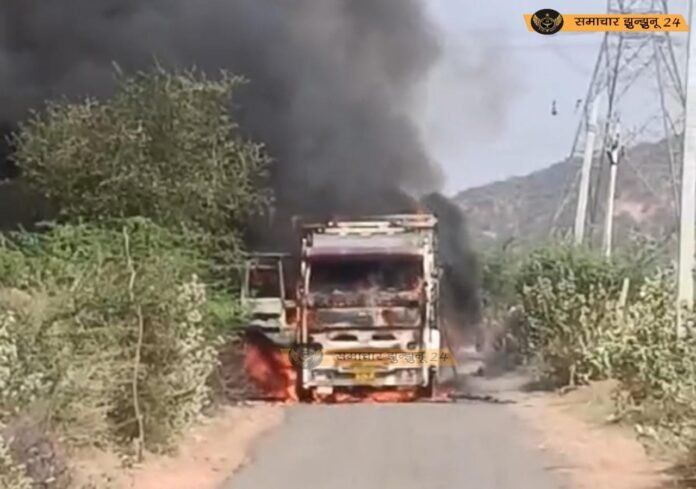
[164,146]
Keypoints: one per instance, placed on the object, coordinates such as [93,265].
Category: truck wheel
[428,391]
[305,395]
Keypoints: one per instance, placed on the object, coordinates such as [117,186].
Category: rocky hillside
[529,209]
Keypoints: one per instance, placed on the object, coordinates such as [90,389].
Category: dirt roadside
[574,428]
[206,455]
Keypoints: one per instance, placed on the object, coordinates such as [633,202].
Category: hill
[530,208]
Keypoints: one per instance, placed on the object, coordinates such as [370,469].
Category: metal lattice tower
[638,79]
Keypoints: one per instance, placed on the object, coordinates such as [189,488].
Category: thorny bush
[73,301]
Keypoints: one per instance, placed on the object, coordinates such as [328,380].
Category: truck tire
[304,395]
[428,391]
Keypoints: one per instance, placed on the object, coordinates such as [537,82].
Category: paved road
[472,444]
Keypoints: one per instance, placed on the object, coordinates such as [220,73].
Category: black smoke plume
[331,81]
[331,92]
[460,292]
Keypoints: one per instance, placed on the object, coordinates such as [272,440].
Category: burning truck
[355,315]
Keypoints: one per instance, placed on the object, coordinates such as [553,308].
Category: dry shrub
[80,305]
[34,451]
[12,474]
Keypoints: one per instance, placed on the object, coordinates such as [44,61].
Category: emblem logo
[547,21]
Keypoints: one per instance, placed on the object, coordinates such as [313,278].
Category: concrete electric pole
[613,153]
[584,189]
[685,284]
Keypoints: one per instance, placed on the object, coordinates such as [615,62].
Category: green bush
[111,321]
[162,147]
[578,326]
[657,368]
[498,276]
[83,309]
[569,297]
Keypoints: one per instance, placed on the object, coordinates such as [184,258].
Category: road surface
[470,444]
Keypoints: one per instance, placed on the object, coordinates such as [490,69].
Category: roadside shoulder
[205,457]
[597,453]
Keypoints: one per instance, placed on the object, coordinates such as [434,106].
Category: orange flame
[270,371]
[374,397]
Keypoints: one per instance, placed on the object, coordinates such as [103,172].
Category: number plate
[365,376]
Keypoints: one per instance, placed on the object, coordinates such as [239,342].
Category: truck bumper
[411,372]
[412,377]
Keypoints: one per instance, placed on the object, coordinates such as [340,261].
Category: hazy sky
[488,111]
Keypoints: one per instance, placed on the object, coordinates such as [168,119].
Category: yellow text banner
[619,23]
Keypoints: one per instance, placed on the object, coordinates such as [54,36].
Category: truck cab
[367,299]
[266,297]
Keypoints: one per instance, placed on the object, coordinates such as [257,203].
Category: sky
[487,114]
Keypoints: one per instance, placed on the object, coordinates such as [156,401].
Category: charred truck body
[369,287]
[366,293]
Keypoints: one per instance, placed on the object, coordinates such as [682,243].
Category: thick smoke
[331,92]
[461,301]
[332,81]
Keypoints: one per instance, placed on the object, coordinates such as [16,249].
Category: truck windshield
[263,283]
[350,274]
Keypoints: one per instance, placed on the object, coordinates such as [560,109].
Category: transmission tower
[638,79]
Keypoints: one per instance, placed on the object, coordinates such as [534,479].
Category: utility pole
[584,190]
[626,63]
[685,284]
[614,153]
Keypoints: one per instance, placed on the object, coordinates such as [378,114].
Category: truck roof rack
[386,220]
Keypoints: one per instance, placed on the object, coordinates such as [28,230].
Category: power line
[571,184]
[622,64]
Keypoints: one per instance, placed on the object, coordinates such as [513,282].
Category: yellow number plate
[364,376]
